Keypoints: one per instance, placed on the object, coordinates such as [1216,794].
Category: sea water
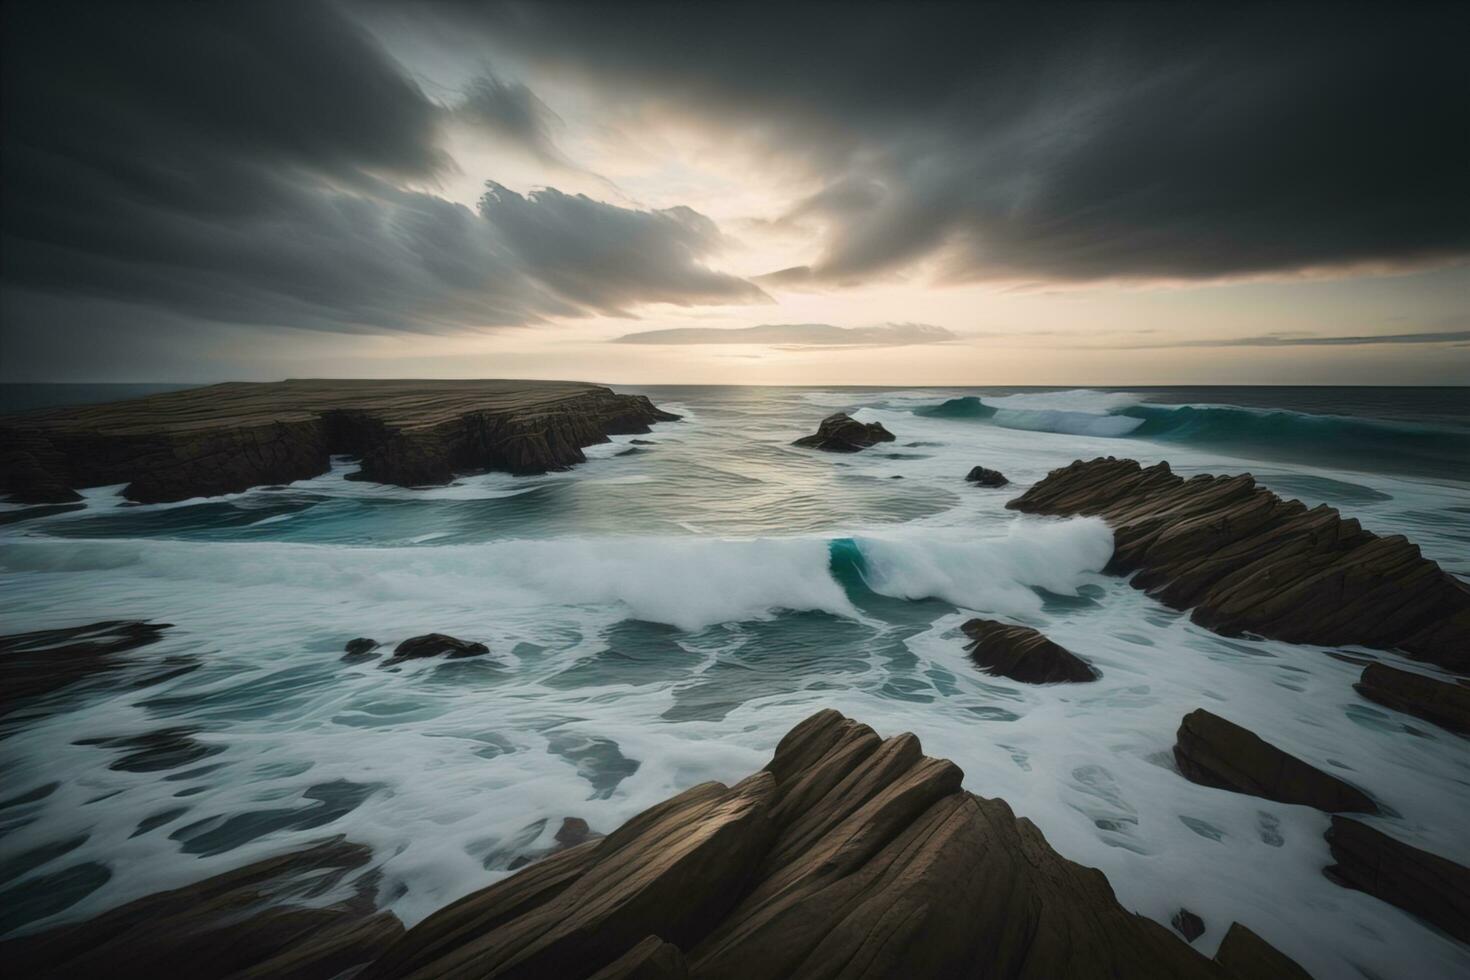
[664,613]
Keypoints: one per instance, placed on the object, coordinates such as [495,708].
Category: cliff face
[227,438]
[1246,561]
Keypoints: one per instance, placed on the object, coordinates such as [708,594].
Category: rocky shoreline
[1246,561]
[848,855]
[230,437]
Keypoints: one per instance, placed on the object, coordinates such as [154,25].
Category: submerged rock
[841,433]
[231,437]
[847,856]
[1446,705]
[1247,561]
[361,645]
[33,664]
[981,476]
[434,644]
[1023,654]
[1215,752]
[1189,925]
[1434,888]
[267,919]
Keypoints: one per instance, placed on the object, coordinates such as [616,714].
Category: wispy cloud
[795,336]
[1309,340]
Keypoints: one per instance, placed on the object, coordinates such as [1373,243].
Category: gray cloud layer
[256,164]
[1058,142]
[797,335]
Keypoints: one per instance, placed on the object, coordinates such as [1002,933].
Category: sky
[899,194]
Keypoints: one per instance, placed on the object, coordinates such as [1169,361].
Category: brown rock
[981,476]
[1247,561]
[434,644]
[849,856]
[1446,705]
[33,664]
[1215,752]
[1423,884]
[1246,955]
[1023,654]
[842,433]
[263,920]
[652,959]
[230,437]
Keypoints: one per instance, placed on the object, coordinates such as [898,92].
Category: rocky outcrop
[982,477]
[434,645]
[1423,884]
[849,855]
[32,664]
[230,437]
[842,433]
[1245,954]
[1188,925]
[1246,561]
[1446,705]
[1214,752]
[1023,654]
[275,918]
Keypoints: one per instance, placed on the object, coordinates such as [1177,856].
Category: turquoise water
[663,614]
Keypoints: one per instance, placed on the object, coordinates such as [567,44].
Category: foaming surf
[661,618]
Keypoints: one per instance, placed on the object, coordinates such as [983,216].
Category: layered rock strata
[849,855]
[1246,561]
[1023,654]
[272,919]
[1446,705]
[1214,752]
[1433,888]
[230,437]
[842,433]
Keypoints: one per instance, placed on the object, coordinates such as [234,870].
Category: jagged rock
[1247,561]
[432,645]
[38,663]
[1214,752]
[1189,925]
[847,856]
[231,437]
[841,433]
[981,476]
[265,920]
[1244,954]
[1446,705]
[1023,654]
[1434,888]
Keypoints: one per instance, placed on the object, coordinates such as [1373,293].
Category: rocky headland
[1246,561]
[229,437]
[848,856]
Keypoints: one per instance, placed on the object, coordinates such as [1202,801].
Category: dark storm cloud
[790,335]
[1058,142]
[606,258]
[513,111]
[269,164]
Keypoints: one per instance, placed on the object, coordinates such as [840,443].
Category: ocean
[664,613]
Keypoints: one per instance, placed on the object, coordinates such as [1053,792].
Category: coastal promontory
[227,438]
